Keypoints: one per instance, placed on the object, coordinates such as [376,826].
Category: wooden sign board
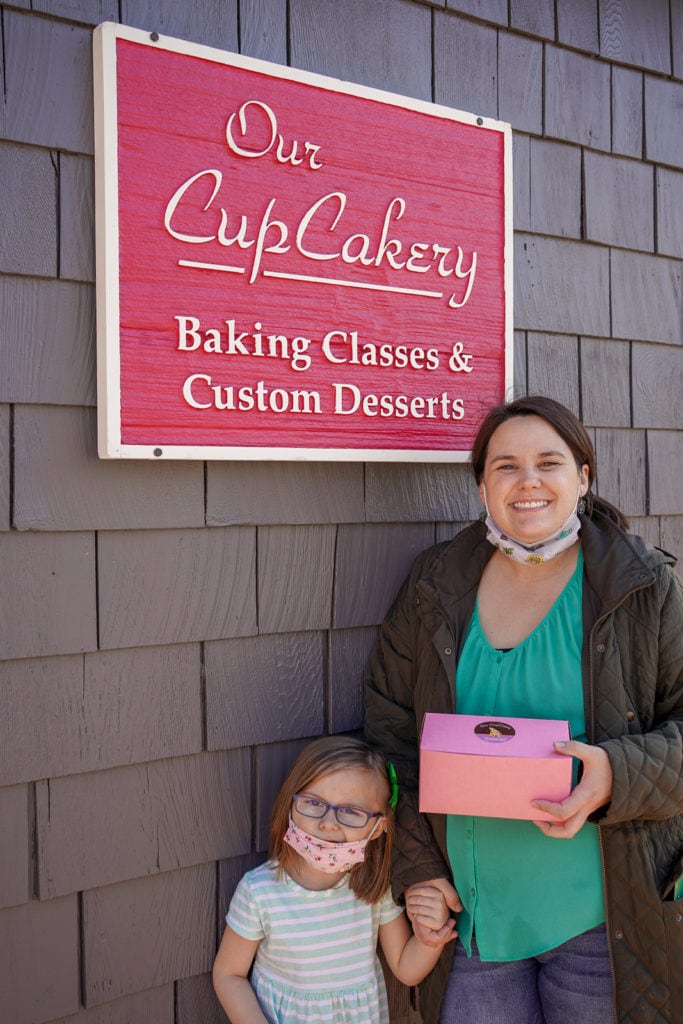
[291,266]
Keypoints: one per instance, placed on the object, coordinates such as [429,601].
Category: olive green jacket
[633,696]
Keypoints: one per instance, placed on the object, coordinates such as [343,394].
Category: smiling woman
[531,484]
[545,608]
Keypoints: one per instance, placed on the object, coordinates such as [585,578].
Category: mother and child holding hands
[545,608]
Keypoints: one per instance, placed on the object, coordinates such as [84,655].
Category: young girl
[309,918]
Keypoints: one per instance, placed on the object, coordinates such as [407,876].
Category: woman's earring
[580,506]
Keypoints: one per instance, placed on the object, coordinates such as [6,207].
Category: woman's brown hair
[566,424]
[370,879]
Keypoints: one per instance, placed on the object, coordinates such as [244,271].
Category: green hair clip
[393,783]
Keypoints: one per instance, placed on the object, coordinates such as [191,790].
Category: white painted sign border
[107,251]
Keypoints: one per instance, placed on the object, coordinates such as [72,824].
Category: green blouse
[522,892]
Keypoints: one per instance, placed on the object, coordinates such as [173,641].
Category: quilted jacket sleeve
[648,768]
[391,725]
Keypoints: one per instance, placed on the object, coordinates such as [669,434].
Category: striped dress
[317,961]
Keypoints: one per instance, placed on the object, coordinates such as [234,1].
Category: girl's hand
[427,904]
[593,791]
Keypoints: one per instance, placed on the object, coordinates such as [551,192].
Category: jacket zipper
[591,693]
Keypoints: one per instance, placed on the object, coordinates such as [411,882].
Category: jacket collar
[455,574]
[615,563]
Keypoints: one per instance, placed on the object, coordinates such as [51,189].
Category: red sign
[289,266]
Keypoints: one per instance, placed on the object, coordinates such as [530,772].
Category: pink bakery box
[493,767]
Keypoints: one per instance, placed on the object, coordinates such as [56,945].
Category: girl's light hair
[370,879]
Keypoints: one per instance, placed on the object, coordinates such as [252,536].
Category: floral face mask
[332,858]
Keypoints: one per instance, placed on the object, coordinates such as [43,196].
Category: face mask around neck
[544,550]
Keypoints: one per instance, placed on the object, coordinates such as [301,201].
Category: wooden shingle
[61,484]
[666,485]
[264,689]
[4,466]
[123,953]
[28,241]
[110,826]
[621,461]
[619,198]
[47,594]
[171,586]
[561,286]
[372,561]
[276,493]
[48,83]
[212,22]
[44,934]
[385,46]
[657,386]
[645,295]
[629,38]
[14,846]
[577,98]
[295,567]
[47,341]
[465,65]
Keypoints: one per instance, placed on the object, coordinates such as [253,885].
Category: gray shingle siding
[171,634]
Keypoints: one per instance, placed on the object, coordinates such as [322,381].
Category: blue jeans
[566,985]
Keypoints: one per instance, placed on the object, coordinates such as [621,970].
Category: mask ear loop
[483,515]
[373,830]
